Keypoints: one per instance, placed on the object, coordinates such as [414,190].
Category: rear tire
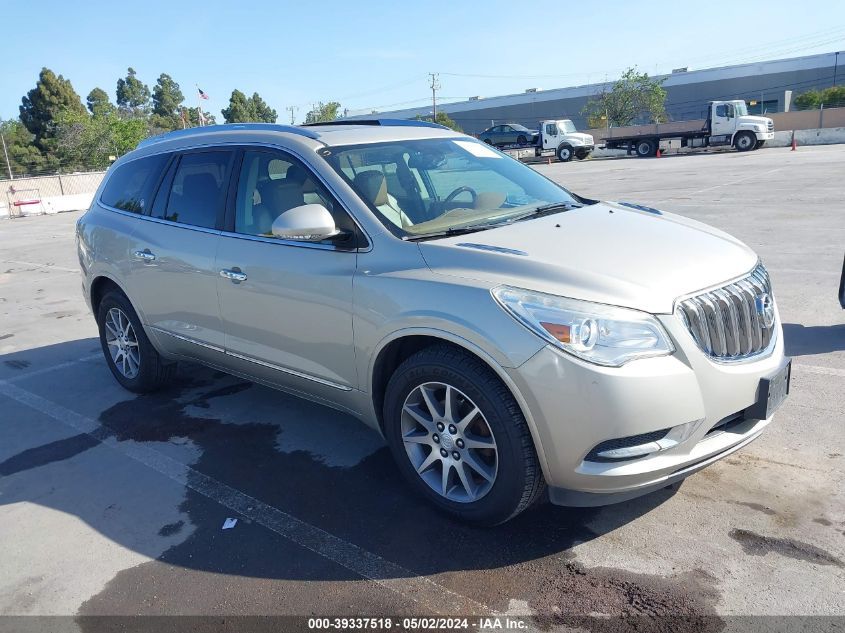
[488,141]
[564,153]
[745,141]
[132,359]
[646,148]
[484,427]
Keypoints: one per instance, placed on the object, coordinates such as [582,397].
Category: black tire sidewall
[521,140]
[504,497]
[148,356]
[651,149]
[560,150]
[741,135]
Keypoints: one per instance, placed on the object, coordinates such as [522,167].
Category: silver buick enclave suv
[506,336]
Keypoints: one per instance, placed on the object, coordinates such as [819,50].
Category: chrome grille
[771,126]
[730,323]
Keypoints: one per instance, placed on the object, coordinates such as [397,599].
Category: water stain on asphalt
[755,506]
[171,528]
[822,521]
[366,504]
[759,545]
[5,336]
[59,450]
[16,364]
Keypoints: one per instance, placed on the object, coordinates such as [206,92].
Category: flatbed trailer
[728,124]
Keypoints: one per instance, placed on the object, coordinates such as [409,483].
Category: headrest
[197,184]
[295,174]
[373,186]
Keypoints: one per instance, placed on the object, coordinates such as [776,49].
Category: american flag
[202,94]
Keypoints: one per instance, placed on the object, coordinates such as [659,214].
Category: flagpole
[199,106]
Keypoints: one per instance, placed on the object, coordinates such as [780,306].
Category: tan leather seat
[373,186]
[277,196]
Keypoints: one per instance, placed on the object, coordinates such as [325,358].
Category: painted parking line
[51,368]
[435,598]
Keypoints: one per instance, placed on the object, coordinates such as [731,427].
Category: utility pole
[435,86]
[292,110]
[835,68]
[6,154]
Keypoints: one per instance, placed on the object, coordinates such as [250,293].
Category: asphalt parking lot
[113,504]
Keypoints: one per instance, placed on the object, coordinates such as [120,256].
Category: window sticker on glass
[477,149]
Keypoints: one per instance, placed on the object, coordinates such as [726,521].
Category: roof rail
[382,122]
[226,127]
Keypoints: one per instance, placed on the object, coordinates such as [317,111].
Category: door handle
[234,274]
[145,255]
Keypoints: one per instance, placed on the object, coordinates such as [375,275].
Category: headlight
[598,333]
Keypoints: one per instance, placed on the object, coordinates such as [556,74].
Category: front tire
[521,140]
[132,359]
[745,141]
[564,153]
[459,437]
[488,141]
[760,144]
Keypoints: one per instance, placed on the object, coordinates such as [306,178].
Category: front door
[174,276]
[550,134]
[724,119]
[286,306]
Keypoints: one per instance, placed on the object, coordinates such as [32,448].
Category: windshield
[430,186]
[519,128]
[741,108]
[568,126]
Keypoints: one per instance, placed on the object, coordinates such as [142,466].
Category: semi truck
[555,137]
[727,124]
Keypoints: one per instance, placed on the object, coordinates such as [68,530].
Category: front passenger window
[272,183]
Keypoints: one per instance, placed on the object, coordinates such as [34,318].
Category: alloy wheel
[449,442]
[122,343]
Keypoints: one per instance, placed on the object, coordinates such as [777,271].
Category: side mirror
[306,223]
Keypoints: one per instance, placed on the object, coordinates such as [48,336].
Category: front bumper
[765,136]
[574,406]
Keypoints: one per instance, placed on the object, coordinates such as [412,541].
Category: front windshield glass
[519,128]
[741,108]
[431,186]
[568,126]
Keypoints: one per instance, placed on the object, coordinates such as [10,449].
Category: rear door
[286,305]
[174,276]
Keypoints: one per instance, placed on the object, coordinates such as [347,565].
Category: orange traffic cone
[794,142]
[658,153]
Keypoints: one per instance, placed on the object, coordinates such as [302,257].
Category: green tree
[166,96]
[87,142]
[133,96]
[323,112]
[238,110]
[442,119]
[634,96]
[98,102]
[246,110]
[25,159]
[260,110]
[813,99]
[41,106]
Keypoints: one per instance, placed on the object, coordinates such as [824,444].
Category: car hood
[580,136]
[606,252]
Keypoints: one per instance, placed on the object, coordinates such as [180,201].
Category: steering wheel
[458,192]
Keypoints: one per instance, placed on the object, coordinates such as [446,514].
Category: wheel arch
[394,349]
[101,285]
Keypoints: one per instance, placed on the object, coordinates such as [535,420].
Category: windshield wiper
[457,230]
[547,209]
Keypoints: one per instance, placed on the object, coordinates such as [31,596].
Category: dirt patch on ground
[602,599]
[759,545]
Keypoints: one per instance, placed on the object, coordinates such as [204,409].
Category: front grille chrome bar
[734,322]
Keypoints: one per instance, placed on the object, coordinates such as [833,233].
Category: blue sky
[377,54]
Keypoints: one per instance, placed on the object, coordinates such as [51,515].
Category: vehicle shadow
[318,465]
[801,340]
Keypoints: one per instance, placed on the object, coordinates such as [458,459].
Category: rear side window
[197,194]
[131,186]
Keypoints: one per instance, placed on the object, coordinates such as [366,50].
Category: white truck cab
[730,124]
[561,136]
